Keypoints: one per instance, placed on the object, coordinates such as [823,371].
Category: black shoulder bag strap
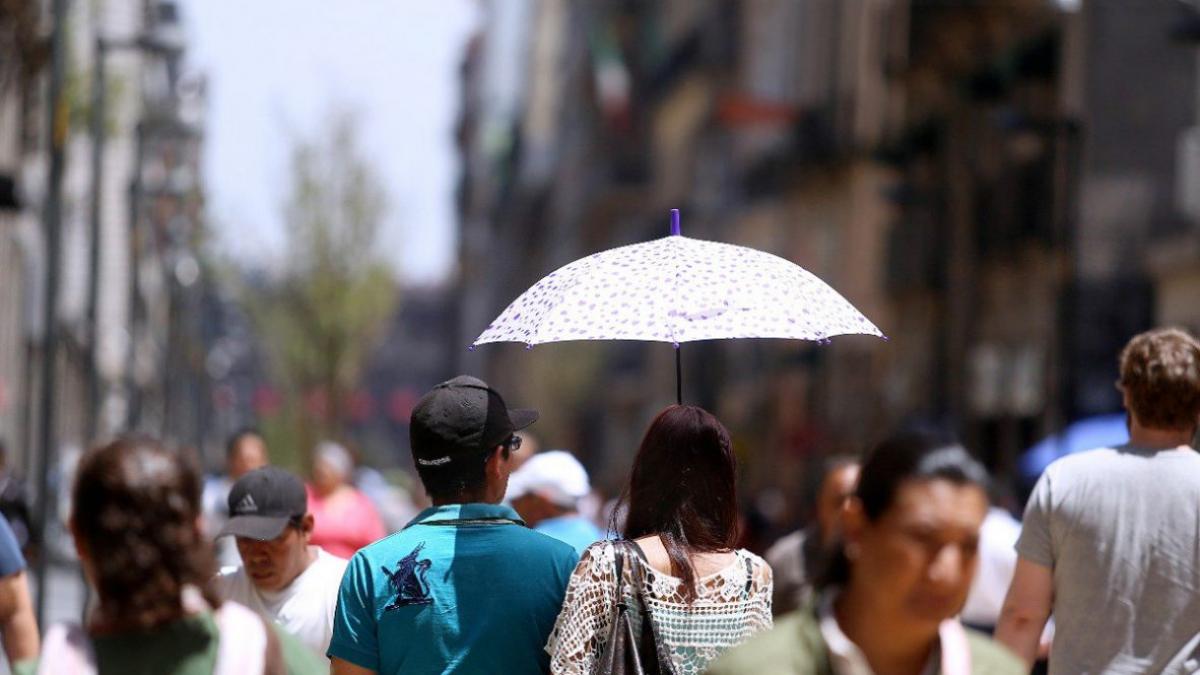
[619,653]
[655,656]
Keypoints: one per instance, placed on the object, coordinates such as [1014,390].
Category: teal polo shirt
[463,588]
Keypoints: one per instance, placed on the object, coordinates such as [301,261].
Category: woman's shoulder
[600,550]
[755,559]
[762,569]
[596,559]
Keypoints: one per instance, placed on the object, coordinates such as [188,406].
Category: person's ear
[81,547]
[854,521]
[307,523]
[497,462]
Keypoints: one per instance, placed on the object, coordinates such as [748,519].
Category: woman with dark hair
[682,572]
[888,599]
[136,522]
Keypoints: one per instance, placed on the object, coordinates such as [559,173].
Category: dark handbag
[623,653]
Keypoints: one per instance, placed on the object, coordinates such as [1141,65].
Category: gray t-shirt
[1120,528]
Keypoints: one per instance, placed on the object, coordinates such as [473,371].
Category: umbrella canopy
[1101,431]
[677,289]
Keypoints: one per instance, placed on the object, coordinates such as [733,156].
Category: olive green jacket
[795,646]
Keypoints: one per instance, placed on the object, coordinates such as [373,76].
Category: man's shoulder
[543,543]
[1105,463]
[388,546]
[517,536]
[1085,460]
[330,562]
[327,570]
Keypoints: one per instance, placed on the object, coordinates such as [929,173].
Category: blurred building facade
[1002,187]
[129,280]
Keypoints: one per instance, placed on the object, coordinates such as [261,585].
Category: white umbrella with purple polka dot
[678,289]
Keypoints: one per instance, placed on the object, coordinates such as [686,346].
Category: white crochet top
[730,606]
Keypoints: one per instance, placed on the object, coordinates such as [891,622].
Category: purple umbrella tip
[676,345]
[528,347]
[885,338]
[675,222]
[470,348]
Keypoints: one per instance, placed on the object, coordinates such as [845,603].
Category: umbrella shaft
[678,378]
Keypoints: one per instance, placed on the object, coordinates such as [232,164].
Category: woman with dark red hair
[677,569]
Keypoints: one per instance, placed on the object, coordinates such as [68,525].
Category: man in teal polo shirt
[465,587]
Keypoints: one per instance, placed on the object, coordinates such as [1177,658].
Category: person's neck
[104,624]
[463,499]
[1158,439]
[891,646]
[327,491]
[310,557]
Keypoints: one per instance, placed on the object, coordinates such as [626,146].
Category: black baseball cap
[463,417]
[263,502]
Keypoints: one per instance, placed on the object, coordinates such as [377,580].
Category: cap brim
[262,528]
[522,417]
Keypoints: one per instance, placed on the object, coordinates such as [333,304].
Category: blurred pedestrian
[546,491]
[888,598]
[528,447]
[136,525]
[392,502]
[676,566]
[997,563]
[345,518]
[796,558]
[1110,542]
[282,576]
[245,451]
[465,587]
[14,502]
[18,627]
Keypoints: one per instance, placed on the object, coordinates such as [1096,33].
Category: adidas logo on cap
[247,505]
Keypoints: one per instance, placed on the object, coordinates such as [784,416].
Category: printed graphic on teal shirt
[408,581]
[464,588]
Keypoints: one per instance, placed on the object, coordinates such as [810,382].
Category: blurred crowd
[509,561]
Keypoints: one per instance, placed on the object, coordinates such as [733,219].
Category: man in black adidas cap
[465,587]
[281,577]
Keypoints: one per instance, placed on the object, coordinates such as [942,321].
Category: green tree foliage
[320,318]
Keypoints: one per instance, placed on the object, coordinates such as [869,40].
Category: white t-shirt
[997,563]
[304,608]
[1120,531]
[216,512]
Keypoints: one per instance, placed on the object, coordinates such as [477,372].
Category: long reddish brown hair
[683,488]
